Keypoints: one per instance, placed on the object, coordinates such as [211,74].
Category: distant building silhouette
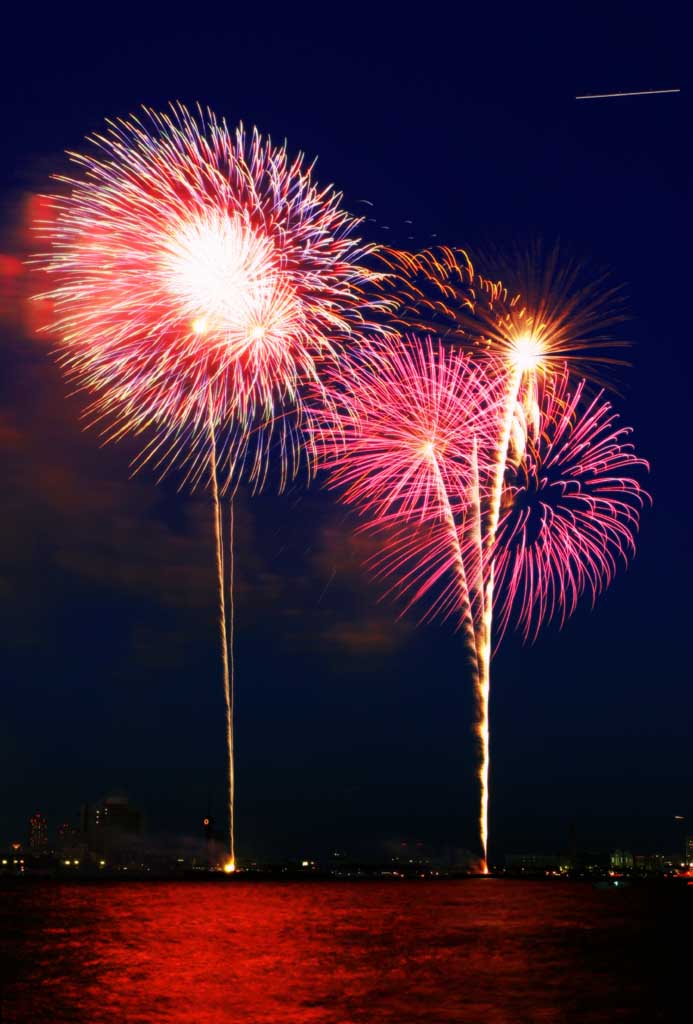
[38,834]
[112,827]
[68,837]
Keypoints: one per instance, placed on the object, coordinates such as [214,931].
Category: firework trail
[226,635]
[202,281]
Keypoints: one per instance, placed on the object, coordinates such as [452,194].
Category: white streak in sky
[611,95]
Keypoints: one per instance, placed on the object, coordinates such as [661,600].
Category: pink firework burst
[418,452]
[570,510]
[408,449]
[202,279]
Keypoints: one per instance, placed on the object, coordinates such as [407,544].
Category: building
[622,860]
[69,837]
[38,834]
[689,851]
[112,828]
[657,863]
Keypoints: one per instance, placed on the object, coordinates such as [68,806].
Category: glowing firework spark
[203,282]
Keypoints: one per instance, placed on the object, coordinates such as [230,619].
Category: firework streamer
[202,282]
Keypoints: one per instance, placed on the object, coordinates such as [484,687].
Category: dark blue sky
[351,728]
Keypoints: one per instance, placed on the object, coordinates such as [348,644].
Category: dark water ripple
[477,952]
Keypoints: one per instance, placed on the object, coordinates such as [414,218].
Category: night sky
[354,730]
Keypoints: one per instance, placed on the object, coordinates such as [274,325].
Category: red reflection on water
[487,951]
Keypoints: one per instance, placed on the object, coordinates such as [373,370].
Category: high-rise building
[38,833]
[689,850]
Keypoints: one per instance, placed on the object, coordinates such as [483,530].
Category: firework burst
[526,329]
[542,315]
[409,412]
[559,535]
[569,512]
[200,269]
[202,281]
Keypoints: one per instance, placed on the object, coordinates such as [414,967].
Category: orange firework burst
[542,315]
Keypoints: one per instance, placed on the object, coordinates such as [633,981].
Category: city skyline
[90,828]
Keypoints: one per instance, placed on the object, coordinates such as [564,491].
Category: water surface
[477,952]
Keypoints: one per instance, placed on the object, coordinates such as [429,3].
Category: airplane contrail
[611,95]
